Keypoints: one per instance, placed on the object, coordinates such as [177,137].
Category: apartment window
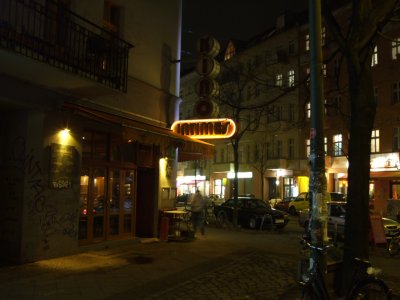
[222,155]
[291,78]
[291,148]
[396,92]
[326,145]
[291,112]
[256,152]
[375,141]
[396,138]
[279,80]
[278,149]
[274,114]
[248,92]
[308,76]
[230,51]
[324,70]
[257,90]
[336,105]
[325,106]
[292,47]
[395,48]
[112,17]
[322,39]
[376,94]
[308,110]
[267,150]
[337,145]
[337,66]
[308,147]
[375,57]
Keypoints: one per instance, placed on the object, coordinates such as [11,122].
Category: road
[225,264]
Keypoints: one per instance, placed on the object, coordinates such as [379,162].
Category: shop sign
[385,162]
[62,166]
[205,128]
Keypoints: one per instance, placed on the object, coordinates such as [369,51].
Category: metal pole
[317,184]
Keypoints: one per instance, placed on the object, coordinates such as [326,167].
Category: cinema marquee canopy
[205,128]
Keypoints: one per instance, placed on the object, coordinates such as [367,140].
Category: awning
[189,148]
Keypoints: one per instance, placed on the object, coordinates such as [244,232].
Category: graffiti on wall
[51,221]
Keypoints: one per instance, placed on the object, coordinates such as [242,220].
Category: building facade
[89,90]
[274,156]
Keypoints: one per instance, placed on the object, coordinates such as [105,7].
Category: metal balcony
[56,36]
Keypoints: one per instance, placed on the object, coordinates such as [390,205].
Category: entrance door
[92,204]
[106,204]
[146,214]
[272,188]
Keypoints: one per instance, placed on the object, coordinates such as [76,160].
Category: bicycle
[394,245]
[366,284]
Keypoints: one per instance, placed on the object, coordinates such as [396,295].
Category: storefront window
[219,188]
[288,186]
[395,190]
[99,199]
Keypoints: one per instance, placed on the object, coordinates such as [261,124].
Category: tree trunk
[235,145]
[363,108]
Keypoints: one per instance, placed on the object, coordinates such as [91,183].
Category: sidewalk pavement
[222,265]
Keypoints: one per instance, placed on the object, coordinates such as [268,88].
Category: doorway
[146,212]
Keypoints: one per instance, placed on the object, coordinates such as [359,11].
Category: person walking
[197,207]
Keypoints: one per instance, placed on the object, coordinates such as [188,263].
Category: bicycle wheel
[370,288]
[394,246]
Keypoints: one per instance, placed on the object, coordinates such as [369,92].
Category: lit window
[279,80]
[324,70]
[375,57]
[308,110]
[337,145]
[326,145]
[291,78]
[375,141]
[395,48]
[307,42]
[308,147]
[230,51]
[323,36]
[308,76]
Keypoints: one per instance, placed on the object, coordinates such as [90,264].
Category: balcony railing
[55,35]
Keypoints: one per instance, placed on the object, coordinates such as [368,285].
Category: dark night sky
[226,19]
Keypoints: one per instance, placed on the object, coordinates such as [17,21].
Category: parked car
[298,203]
[284,204]
[302,201]
[252,213]
[182,200]
[336,221]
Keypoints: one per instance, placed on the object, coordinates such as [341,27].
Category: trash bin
[164,228]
